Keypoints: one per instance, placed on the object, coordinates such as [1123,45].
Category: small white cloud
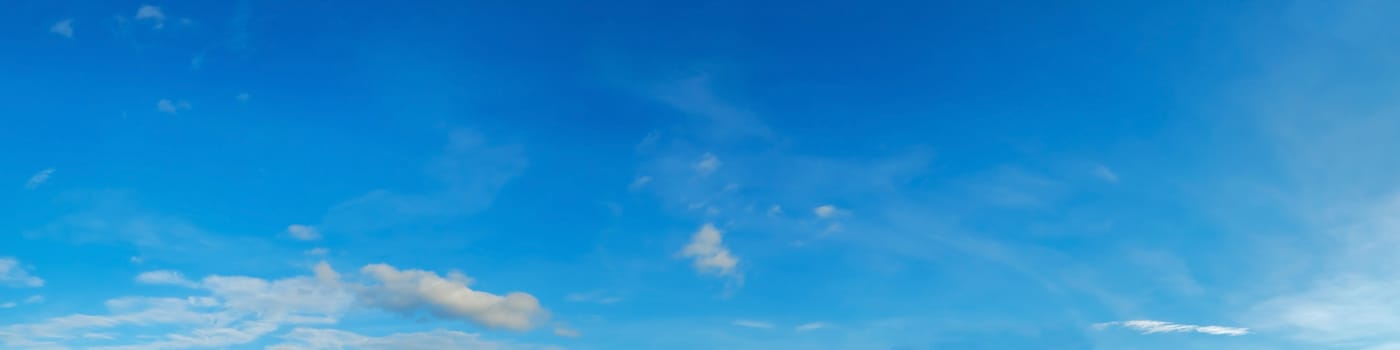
[753,324]
[826,211]
[707,165]
[34,299]
[566,332]
[243,97]
[63,28]
[318,251]
[640,182]
[303,232]
[709,253]
[136,260]
[593,297]
[153,14]
[8,305]
[39,179]
[1153,327]
[812,326]
[14,275]
[775,210]
[165,277]
[1103,172]
[171,107]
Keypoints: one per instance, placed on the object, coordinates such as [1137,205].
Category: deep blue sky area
[302,175]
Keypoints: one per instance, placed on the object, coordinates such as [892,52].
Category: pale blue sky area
[613,175]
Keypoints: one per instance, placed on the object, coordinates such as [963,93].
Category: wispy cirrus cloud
[752,324]
[1154,327]
[165,277]
[593,297]
[14,275]
[39,179]
[467,176]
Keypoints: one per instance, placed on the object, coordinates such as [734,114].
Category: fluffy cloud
[303,232]
[38,179]
[825,211]
[151,13]
[14,275]
[753,324]
[710,255]
[407,291]
[63,28]
[239,310]
[165,277]
[1152,327]
[812,326]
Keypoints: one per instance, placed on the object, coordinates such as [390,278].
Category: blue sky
[286,175]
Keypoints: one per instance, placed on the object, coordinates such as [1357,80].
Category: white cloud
[593,297]
[303,232]
[638,183]
[34,299]
[567,332]
[8,305]
[331,339]
[709,253]
[753,324]
[707,165]
[1153,327]
[39,179]
[14,275]
[775,210]
[1103,172]
[407,291]
[812,326]
[826,211]
[153,14]
[243,97]
[136,260]
[165,277]
[318,251]
[238,310]
[171,107]
[63,28]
